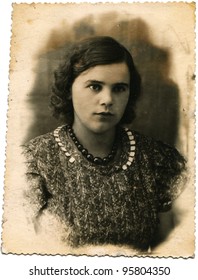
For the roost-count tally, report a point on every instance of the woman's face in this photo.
(100, 95)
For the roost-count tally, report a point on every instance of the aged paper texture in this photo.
(163, 50)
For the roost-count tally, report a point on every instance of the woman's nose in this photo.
(106, 97)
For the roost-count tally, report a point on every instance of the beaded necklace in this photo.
(90, 157)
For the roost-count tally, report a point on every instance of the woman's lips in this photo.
(104, 114)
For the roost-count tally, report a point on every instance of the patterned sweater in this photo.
(116, 203)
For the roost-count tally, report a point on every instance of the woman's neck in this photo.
(98, 144)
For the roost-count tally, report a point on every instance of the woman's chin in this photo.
(102, 128)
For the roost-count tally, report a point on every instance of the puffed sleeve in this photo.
(35, 194)
(170, 174)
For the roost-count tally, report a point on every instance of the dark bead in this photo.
(84, 152)
(76, 142)
(105, 160)
(98, 160)
(90, 157)
(110, 156)
(80, 147)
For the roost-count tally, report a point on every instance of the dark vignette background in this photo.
(157, 112)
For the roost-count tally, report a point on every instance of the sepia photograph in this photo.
(100, 157)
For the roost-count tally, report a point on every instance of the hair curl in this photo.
(101, 50)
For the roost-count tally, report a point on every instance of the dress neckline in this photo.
(122, 161)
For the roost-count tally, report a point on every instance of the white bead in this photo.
(72, 159)
(132, 148)
(130, 159)
(67, 154)
(124, 167)
(132, 142)
(128, 163)
(131, 154)
(131, 137)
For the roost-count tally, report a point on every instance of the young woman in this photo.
(104, 182)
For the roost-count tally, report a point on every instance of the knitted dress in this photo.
(115, 203)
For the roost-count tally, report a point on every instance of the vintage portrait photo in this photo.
(100, 132)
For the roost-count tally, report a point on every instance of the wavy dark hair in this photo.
(100, 50)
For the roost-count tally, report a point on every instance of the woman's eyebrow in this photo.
(102, 83)
(122, 84)
(94, 82)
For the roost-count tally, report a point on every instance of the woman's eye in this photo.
(119, 88)
(95, 87)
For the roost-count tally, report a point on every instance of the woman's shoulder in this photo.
(153, 144)
(159, 152)
(149, 140)
(42, 142)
